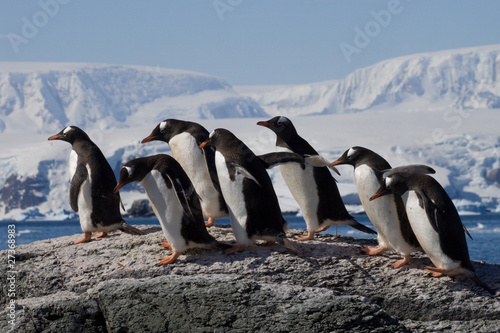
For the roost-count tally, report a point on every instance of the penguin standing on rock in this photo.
(248, 190)
(387, 214)
(174, 200)
(184, 138)
(314, 188)
(91, 192)
(434, 220)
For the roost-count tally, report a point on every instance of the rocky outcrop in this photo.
(141, 208)
(114, 285)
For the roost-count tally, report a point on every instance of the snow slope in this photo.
(46, 97)
(464, 78)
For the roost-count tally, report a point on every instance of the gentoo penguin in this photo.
(184, 138)
(91, 189)
(174, 200)
(314, 188)
(433, 218)
(387, 214)
(253, 206)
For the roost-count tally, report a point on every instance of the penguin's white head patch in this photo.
(388, 182)
(283, 120)
(211, 134)
(130, 170)
(67, 129)
(351, 152)
(163, 125)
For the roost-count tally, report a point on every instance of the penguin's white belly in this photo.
(189, 155)
(426, 235)
(166, 207)
(85, 203)
(302, 185)
(381, 212)
(235, 199)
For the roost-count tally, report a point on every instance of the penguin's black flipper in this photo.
(320, 161)
(79, 177)
(128, 229)
(186, 194)
(234, 168)
(431, 210)
(209, 153)
(419, 169)
(271, 160)
(467, 231)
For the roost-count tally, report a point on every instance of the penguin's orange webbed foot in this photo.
(322, 228)
(169, 259)
(102, 235)
(373, 250)
(435, 272)
(210, 222)
(234, 249)
(166, 245)
(268, 243)
(402, 262)
(86, 238)
(310, 235)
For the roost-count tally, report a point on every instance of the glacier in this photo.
(436, 108)
(463, 79)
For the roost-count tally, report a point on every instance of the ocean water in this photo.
(484, 229)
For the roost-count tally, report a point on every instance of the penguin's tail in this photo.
(356, 225)
(480, 283)
(128, 229)
(282, 240)
(220, 245)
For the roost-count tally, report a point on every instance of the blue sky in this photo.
(247, 42)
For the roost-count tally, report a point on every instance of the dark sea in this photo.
(484, 229)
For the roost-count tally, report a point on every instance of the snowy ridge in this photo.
(464, 79)
(439, 109)
(44, 97)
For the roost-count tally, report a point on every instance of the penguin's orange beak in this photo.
(264, 123)
(337, 162)
(149, 138)
(203, 144)
(380, 193)
(118, 187)
(54, 137)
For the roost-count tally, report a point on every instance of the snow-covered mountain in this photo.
(439, 109)
(465, 79)
(44, 97)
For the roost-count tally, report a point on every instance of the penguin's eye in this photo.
(279, 123)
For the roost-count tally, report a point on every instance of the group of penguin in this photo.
(214, 175)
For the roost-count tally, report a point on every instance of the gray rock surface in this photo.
(114, 285)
